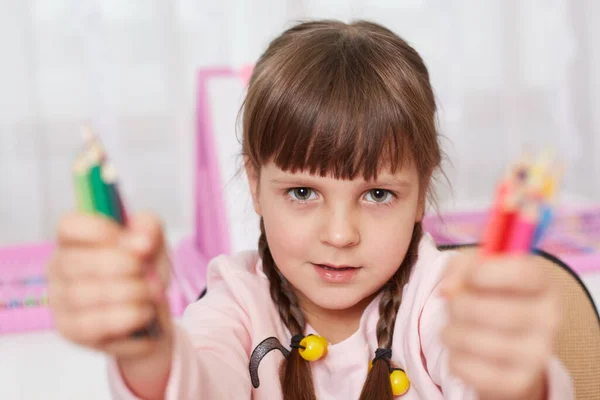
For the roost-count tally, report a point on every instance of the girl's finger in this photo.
(128, 348)
(509, 314)
(480, 343)
(81, 229)
(490, 380)
(74, 264)
(509, 275)
(454, 277)
(473, 371)
(144, 236)
(92, 328)
(90, 294)
(496, 348)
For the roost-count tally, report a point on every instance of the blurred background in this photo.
(508, 75)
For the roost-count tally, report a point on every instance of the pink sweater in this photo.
(221, 330)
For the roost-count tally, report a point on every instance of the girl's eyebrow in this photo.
(290, 181)
(387, 181)
(390, 181)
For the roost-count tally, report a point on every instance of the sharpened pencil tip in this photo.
(87, 133)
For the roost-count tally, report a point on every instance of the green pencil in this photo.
(99, 189)
(109, 177)
(101, 180)
(81, 181)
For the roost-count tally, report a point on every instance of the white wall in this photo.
(507, 73)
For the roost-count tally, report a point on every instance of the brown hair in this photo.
(343, 100)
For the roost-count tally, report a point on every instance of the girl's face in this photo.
(337, 241)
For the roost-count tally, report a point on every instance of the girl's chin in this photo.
(337, 301)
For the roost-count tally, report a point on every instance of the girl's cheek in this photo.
(288, 233)
(387, 240)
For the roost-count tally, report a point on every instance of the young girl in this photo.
(346, 297)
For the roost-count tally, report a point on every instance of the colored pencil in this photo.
(88, 135)
(500, 224)
(82, 185)
(524, 207)
(545, 220)
(109, 177)
(524, 228)
(93, 172)
(99, 190)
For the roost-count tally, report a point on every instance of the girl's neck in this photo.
(334, 325)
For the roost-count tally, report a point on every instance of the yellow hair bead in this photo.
(315, 347)
(324, 344)
(399, 381)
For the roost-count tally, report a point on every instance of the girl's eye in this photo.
(302, 194)
(379, 196)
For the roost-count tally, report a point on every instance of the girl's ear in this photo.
(253, 181)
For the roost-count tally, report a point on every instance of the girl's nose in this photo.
(339, 229)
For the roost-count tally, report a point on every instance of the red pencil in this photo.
(524, 228)
(499, 226)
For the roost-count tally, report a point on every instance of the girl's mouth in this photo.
(335, 273)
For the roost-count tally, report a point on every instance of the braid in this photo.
(392, 292)
(377, 385)
(284, 298)
(295, 375)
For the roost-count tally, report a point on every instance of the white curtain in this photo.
(508, 74)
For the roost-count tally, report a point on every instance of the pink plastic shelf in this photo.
(574, 236)
(23, 288)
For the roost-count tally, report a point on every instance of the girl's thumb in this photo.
(455, 275)
(144, 235)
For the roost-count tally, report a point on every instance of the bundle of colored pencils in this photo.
(95, 181)
(97, 192)
(523, 208)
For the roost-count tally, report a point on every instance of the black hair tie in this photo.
(383, 354)
(263, 348)
(398, 379)
(296, 339)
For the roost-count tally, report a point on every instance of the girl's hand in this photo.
(106, 282)
(503, 321)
